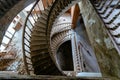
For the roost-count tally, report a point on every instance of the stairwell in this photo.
(42, 62)
(42, 40)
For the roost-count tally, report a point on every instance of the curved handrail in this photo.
(28, 26)
(23, 41)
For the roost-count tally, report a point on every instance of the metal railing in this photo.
(109, 12)
(30, 21)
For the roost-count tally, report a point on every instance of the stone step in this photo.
(44, 17)
(40, 58)
(39, 35)
(42, 63)
(59, 31)
(40, 29)
(48, 9)
(39, 44)
(40, 25)
(42, 21)
(39, 32)
(50, 69)
(45, 12)
(39, 52)
(37, 38)
(39, 47)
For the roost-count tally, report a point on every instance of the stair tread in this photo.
(42, 63)
(38, 47)
(38, 39)
(40, 58)
(42, 21)
(44, 17)
(38, 43)
(40, 35)
(43, 69)
(47, 70)
(45, 13)
(40, 25)
(38, 52)
(40, 29)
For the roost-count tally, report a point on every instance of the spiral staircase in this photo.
(40, 38)
(42, 62)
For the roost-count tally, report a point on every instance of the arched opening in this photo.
(64, 56)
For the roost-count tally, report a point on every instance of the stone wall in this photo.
(104, 49)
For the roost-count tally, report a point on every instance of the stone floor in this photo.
(14, 75)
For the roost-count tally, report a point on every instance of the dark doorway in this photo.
(64, 56)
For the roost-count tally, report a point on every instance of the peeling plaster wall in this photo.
(16, 46)
(107, 55)
(9, 16)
